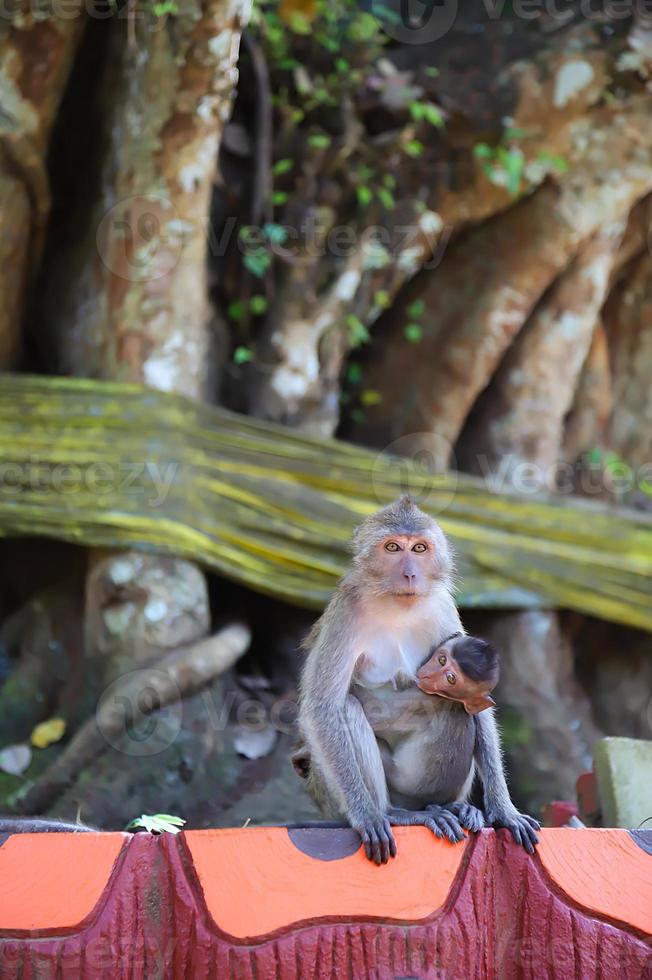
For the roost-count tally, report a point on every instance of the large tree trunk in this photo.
(481, 295)
(132, 303)
(518, 425)
(305, 340)
(521, 417)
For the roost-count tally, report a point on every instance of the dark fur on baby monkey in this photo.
(375, 749)
(463, 669)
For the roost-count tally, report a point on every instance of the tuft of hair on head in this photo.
(477, 658)
(400, 517)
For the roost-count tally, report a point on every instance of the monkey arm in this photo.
(339, 736)
(325, 686)
(499, 810)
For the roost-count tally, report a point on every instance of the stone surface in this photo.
(624, 770)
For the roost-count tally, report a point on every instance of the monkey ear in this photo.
(301, 763)
(479, 703)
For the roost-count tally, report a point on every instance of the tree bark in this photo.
(305, 341)
(521, 417)
(549, 730)
(36, 54)
(629, 328)
(132, 303)
(482, 293)
(587, 420)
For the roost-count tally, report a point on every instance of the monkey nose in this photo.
(410, 576)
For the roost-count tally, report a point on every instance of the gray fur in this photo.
(380, 750)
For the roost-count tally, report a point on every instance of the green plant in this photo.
(157, 823)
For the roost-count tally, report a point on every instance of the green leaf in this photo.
(165, 7)
(276, 234)
(298, 23)
(236, 311)
(363, 28)
(364, 195)
(358, 333)
(320, 141)
(282, 166)
(594, 456)
(353, 372)
(157, 823)
(514, 133)
(257, 262)
(416, 309)
(513, 163)
(558, 163)
(279, 197)
(249, 233)
(433, 115)
(413, 332)
(428, 112)
(483, 151)
(381, 298)
(258, 305)
(386, 198)
(646, 487)
(242, 355)
(413, 148)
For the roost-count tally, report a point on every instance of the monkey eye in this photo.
(420, 547)
(392, 546)
(450, 677)
(442, 659)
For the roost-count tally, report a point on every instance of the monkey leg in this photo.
(439, 819)
(469, 816)
(367, 752)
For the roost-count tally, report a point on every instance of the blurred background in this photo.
(419, 228)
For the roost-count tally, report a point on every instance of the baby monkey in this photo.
(464, 669)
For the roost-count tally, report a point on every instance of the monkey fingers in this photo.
(377, 838)
(522, 827)
(469, 816)
(441, 821)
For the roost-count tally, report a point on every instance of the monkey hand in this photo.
(439, 819)
(469, 816)
(522, 827)
(377, 837)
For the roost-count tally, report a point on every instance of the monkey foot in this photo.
(469, 816)
(522, 827)
(439, 819)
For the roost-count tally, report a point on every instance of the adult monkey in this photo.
(381, 751)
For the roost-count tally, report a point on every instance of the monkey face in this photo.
(401, 551)
(441, 675)
(405, 565)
